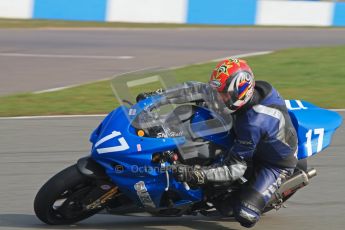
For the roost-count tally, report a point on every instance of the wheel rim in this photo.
(69, 205)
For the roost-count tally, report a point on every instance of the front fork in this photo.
(101, 201)
(104, 189)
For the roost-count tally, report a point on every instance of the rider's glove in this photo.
(144, 95)
(232, 169)
(193, 175)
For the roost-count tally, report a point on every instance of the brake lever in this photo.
(168, 182)
(166, 169)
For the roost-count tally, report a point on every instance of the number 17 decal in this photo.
(123, 143)
(308, 135)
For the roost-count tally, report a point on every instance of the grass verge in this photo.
(42, 23)
(313, 74)
(24, 23)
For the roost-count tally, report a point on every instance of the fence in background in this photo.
(219, 12)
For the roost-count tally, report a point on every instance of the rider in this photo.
(264, 137)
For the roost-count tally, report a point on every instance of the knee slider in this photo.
(246, 217)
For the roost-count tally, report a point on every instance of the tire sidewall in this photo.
(50, 192)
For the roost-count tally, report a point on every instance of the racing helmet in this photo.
(234, 80)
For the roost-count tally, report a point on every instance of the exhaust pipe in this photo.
(296, 182)
(311, 173)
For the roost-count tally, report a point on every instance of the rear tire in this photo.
(67, 188)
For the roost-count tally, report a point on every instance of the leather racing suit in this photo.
(265, 136)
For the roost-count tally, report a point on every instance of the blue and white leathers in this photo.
(266, 130)
(265, 135)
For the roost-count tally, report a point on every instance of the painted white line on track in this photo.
(83, 116)
(52, 116)
(68, 86)
(338, 110)
(63, 56)
(244, 55)
(85, 83)
(54, 89)
(219, 59)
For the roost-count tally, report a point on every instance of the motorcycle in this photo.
(134, 147)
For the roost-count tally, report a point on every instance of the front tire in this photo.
(58, 202)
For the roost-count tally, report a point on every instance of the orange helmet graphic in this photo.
(234, 80)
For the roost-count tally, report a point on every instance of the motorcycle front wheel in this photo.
(59, 201)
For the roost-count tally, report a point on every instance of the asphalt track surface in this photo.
(37, 59)
(33, 150)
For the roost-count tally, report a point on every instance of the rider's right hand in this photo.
(193, 175)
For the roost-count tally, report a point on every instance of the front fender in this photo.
(90, 168)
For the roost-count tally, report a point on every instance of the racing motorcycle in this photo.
(134, 147)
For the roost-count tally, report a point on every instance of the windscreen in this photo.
(191, 109)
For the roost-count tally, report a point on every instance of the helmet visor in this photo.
(227, 99)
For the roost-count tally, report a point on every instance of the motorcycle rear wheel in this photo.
(59, 201)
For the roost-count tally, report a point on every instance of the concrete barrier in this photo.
(150, 11)
(216, 12)
(294, 13)
(21, 9)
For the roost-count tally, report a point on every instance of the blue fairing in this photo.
(315, 126)
(223, 139)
